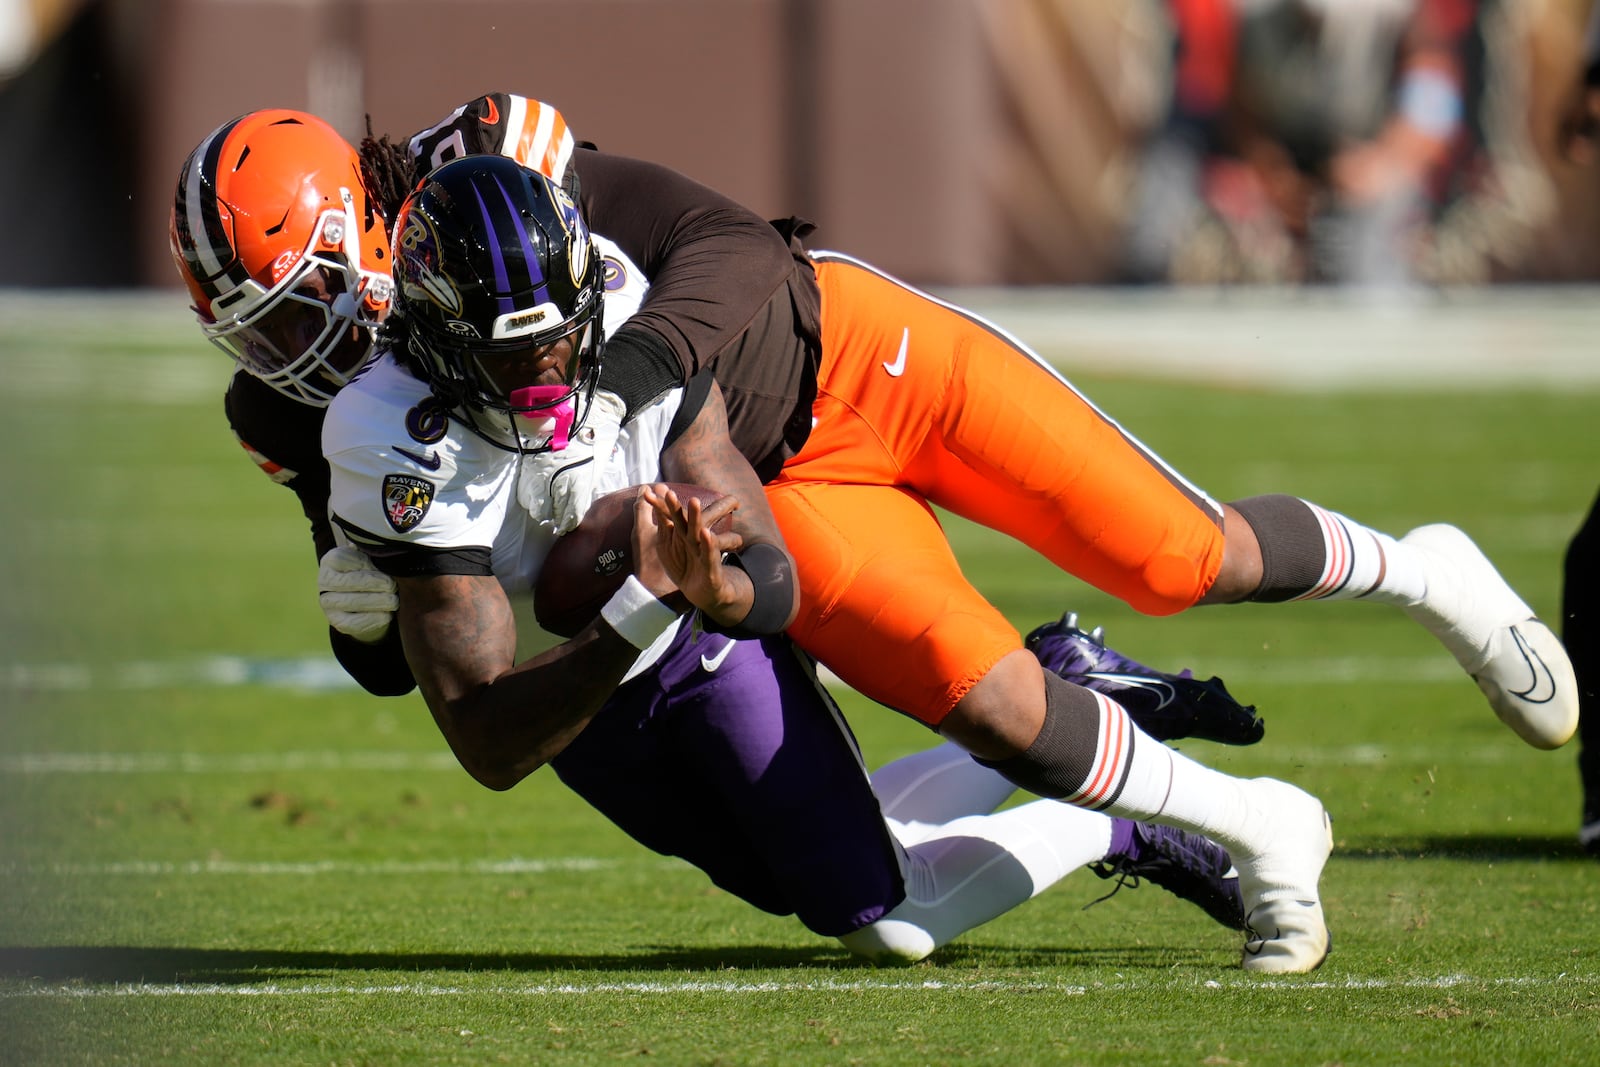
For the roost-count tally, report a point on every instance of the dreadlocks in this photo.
(389, 173)
(387, 170)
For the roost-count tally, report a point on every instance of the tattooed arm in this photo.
(505, 719)
(757, 591)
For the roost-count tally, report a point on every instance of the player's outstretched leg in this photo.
(1166, 706)
(1088, 751)
(962, 873)
(1439, 578)
(922, 795)
(1517, 661)
(971, 869)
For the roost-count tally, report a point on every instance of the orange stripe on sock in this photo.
(1110, 754)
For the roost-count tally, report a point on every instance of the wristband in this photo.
(771, 586)
(635, 613)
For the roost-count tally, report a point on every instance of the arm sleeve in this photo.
(639, 368)
(380, 668)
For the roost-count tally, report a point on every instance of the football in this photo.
(590, 562)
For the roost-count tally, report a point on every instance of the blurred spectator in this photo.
(1309, 140)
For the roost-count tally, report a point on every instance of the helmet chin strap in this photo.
(558, 417)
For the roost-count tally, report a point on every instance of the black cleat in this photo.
(1166, 706)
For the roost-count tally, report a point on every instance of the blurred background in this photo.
(951, 142)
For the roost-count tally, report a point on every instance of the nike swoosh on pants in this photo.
(710, 663)
(898, 367)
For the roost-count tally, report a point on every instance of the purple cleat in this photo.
(1166, 706)
(1190, 866)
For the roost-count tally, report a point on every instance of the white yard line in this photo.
(76, 991)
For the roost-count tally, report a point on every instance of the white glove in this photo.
(556, 488)
(357, 598)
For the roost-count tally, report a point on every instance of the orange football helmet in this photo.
(285, 256)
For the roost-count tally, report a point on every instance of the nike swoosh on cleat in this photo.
(431, 461)
(709, 664)
(898, 367)
(1542, 690)
(1165, 691)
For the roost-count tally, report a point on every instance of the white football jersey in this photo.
(403, 473)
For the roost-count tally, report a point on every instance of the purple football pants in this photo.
(732, 756)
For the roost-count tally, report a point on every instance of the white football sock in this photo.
(1137, 777)
(976, 868)
(925, 790)
(1362, 563)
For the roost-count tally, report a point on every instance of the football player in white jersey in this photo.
(295, 301)
(713, 742)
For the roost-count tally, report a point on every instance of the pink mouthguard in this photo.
(560, 416)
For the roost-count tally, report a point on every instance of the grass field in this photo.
(214, 853)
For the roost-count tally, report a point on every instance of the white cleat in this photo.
(1278, 880)
(1517, 661)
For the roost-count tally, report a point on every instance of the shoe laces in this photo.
(1172, 861)
(1122, 870)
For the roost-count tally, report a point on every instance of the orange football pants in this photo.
(917, 403)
